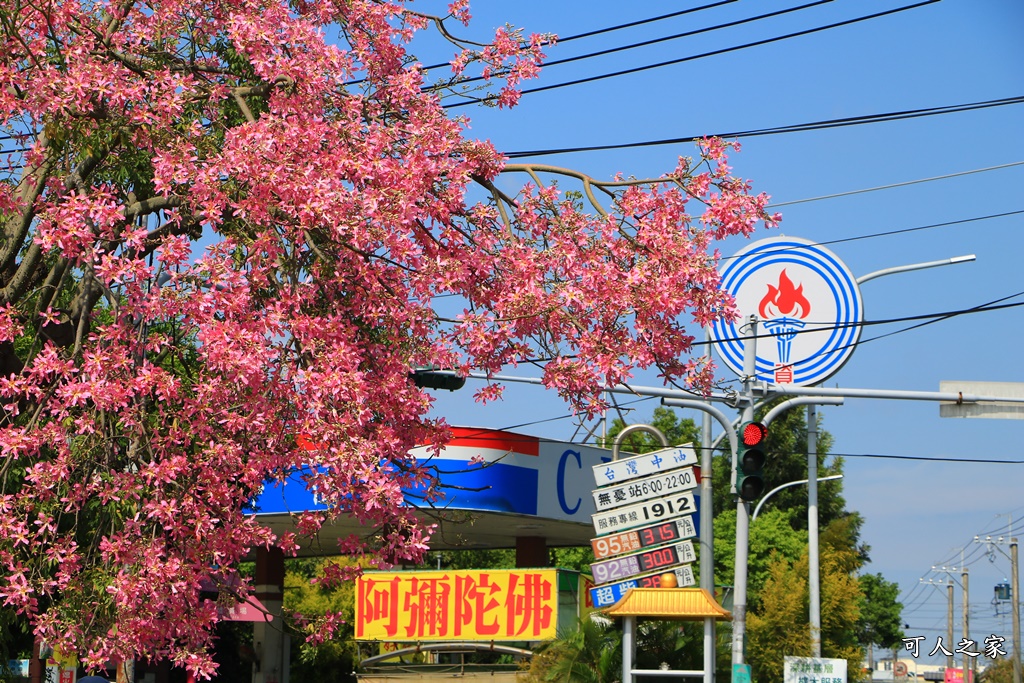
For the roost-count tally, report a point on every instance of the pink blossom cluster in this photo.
(152, 386)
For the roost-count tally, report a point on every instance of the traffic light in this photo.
(429, 378)
(750, 460)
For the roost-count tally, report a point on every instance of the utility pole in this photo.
(963, 577)
(966, 625)
(1015, 577)
(949, 594)
(1014, 600)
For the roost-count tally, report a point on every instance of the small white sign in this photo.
(813, 670)
(654, 486)
(642, 514)
(618, 471)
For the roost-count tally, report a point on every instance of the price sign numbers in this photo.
(651, 560)
(645, 537)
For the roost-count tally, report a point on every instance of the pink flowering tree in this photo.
(223, 232)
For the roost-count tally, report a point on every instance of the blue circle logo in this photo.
(808, 307)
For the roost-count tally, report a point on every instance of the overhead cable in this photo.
(681, 60)
(794, 128)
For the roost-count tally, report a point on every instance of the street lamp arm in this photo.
(915, 266)
(787, 485)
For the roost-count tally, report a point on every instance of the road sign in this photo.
(804, 297)
(655, 559)
(638, 490)
(997, 410)
(618, 471)
(656, 534)
(642, 514)
(605, 596)
(800, 669)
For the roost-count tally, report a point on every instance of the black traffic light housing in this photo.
(750, 459)
(430, 378)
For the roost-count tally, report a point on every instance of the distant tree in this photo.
(578, 559)
(999, 671)
(772, 537)
(881, 614)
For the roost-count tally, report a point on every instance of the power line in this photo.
(662, 39)
(596, 32)
(929, 458)
(640, 22)
(777, 130)
(901, 231)
(894, 185)
(680, 60)
(993, 305)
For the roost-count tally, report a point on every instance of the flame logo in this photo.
(786, 300)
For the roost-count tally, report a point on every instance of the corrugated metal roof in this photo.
(667, 603)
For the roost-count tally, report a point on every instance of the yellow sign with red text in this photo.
(471, 604)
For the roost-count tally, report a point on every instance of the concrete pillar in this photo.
(269, 639)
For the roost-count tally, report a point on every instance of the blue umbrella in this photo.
(93, 679)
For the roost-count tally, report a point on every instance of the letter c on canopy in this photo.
(561, 482)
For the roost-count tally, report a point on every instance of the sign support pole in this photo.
(814, 578)
(739, 607)
(707, 543)
(629, 622)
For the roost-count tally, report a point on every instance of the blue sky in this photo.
(952, 52)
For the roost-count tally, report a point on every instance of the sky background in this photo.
(928, 497)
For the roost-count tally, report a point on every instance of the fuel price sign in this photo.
(603, 596)
(656, 534)
(656, 559)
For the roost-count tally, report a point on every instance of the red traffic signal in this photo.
(750, 460)
(753, 433)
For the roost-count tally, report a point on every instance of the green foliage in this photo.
(772, 537)
(501, 558)
(880, 612)
(1000, 671)
(781, 626)
(335, 660)
(577, 559)
(589, 652)
(678, 644)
